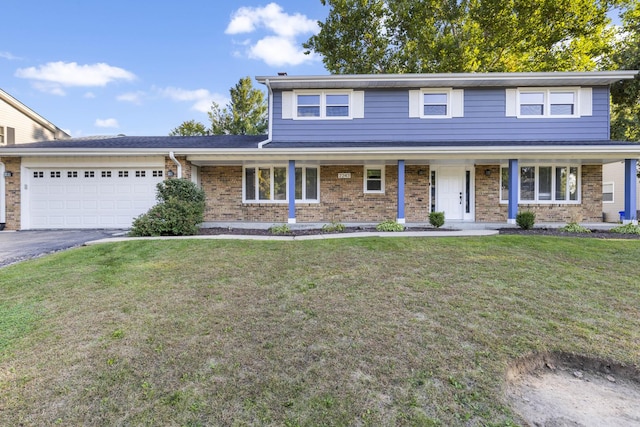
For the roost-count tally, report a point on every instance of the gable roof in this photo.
(13, 102)
(460, 80)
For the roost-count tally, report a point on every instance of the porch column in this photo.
(630, 182)
(291, 187)
(514, 183)
(400, 219)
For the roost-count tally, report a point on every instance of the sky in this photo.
(107, 67)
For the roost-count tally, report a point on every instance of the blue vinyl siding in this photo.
(386, 118)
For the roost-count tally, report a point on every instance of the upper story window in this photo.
(549, 102)
(2, 135)
(323, 105)
(441, 103)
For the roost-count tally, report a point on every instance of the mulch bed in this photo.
(599, 234)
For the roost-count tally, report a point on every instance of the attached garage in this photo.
(96, 194)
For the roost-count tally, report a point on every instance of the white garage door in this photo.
(90, 197)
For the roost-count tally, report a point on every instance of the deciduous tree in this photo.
(189, 128)
(246, 113)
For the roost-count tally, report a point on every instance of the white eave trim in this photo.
(631, 150)
(458, 80)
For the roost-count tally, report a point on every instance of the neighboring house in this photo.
(19, 125)
(613, 192)
(352, 148)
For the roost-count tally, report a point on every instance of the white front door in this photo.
(454, 192)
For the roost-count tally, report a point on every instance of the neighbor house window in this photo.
(2, 139)
(607, 192)
(323, 105)
(374, 179)
(543, 184)
(306, 184)
(547, 103)
(265, 184)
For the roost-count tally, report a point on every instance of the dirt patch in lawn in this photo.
(554, 390)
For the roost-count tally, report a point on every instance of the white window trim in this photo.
(271, 168)
(382, 174)
(613, 191)
(553, 167)
(323, 104)
(546, 91)
(304, 184)
(447, 91)
(3, 135)
(455, 103)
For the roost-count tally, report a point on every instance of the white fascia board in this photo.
(596, 78)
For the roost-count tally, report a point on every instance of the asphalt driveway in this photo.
(18, 246)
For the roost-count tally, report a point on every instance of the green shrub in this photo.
(574, 227)
(389, 225)
(179, 210)
(280, 229)
(526, 220)
(436, 219)
(626, 229)
(333, 227)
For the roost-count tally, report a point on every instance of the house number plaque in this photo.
(344, 175)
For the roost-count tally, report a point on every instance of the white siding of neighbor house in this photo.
(614, 172)
(26, 128)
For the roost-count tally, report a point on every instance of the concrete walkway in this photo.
(443, 233)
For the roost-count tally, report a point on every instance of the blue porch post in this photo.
(513, 191)
(400, 218)
(630, 182)
(291, 187)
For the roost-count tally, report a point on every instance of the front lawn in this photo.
(377, 331)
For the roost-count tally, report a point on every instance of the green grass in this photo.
(401, 331)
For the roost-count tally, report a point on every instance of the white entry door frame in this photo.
(454, 192)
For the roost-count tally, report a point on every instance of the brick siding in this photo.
(12, 192)
(489, 209)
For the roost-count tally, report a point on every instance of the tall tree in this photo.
(246, 113)
(429, 36)
(625, 96)
(189, 128)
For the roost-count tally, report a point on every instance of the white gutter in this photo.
(270, 114)
(172, 157)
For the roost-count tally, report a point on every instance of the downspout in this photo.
(172, 157)
(270, 115)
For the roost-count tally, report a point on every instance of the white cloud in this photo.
(132, 97)
(53, 76)
(279, 48)
(271, 17)
(106, 123)
(9, 56)
(89, 95)
(201, 98)
(279, 51)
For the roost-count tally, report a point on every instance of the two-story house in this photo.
(354, 148)
(19, 125)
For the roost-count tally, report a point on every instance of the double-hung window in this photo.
(544, 184)
(436, 103)
(323, 105)
(374, 179)
(607, 192)
(269, 184)
(548, 103)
